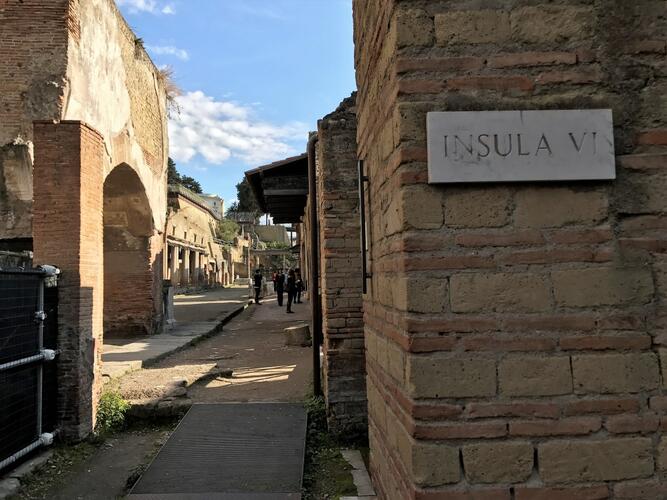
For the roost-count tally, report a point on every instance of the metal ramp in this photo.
(230, 451)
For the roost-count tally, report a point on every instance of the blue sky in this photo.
(256, 75)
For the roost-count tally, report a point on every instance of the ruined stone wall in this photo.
(79, 61)
(514, 332)
(33, 60)
(344, 371)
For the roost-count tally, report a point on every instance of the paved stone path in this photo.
(196, 315)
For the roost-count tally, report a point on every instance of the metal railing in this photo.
(28, 348)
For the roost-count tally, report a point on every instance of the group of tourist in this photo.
(290, 283)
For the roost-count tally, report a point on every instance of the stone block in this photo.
(476, 207)
(602, 286)
(556, 206)
(552, 23)
(424, 295)
(498, 462)
(615, 373)
(298, 335)
(414, 27)
(500, 292)
(661, 457)
(422, 207)
(607, 460)
(472, 27)
(442, 376)
(535, 376)
(424, 456)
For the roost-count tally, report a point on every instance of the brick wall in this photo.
(514, 332)
(69, 166)
(338, 208)
(33, 58)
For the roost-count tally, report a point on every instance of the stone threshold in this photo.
(360, 476)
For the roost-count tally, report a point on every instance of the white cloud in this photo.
(168, 50)
(152, 6)
(220, 130)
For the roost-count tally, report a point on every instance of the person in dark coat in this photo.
(291, 290)
(257, 284)
(280, 286)
(299, 287)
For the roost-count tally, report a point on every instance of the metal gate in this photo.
(28, 382)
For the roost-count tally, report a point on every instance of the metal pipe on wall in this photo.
(315, 297)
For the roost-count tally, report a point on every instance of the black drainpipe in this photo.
(315, 298)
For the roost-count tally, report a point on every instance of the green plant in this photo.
(111, 412)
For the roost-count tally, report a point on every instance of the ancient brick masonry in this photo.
(515, 333)
(344, 360)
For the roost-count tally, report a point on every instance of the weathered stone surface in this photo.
(602, 286)
(607, 460)
(615, 373)
(500, 292)
(297, 335)
(435, 376)
(535, 376)
(424, 456)
(422, 208)
(552, 23)
(472, 26)
(476, 207)
(498, 462)
(554, 207)
(414, 27)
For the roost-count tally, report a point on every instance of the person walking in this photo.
(257, 283)
(291, 290)
(299, 287)
(274, 278)
(280, 286)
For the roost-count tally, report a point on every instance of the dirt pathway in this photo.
(264, 369)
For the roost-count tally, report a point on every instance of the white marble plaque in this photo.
(506, 146)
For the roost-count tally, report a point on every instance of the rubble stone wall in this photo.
(515, 333)
(344, 380)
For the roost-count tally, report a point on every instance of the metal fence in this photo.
(28, 347)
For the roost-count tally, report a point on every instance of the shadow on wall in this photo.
(132, 275)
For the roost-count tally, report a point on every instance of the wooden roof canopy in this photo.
(281, 188)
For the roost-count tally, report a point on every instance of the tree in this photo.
(247, 201)
(232, 209)
(191, 183)
(175, 178)
(227, 230)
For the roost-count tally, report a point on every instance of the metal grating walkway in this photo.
(230, 451)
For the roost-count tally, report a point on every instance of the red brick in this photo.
(602, 342)
(506, 344)
(585, 493)
(504, 239)
(531, 59)
(432, 344)
(435, 411)
(573, 426)
(445, 64)
(627, 424)
(657, 137)
(581, 76)
(420, 86)
(547, 256)
(581, 236)
(447, 262)
(492, 83)
(472, 494)
(646, 47)
(585, 56)
(603, 406)
(461, 431)
(549, 323)
(514, 409)
(643, 161)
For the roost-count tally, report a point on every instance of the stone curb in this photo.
(10, 483)
(215, 330)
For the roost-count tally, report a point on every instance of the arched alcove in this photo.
(128, 270)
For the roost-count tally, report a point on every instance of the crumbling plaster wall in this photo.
(76, 60)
